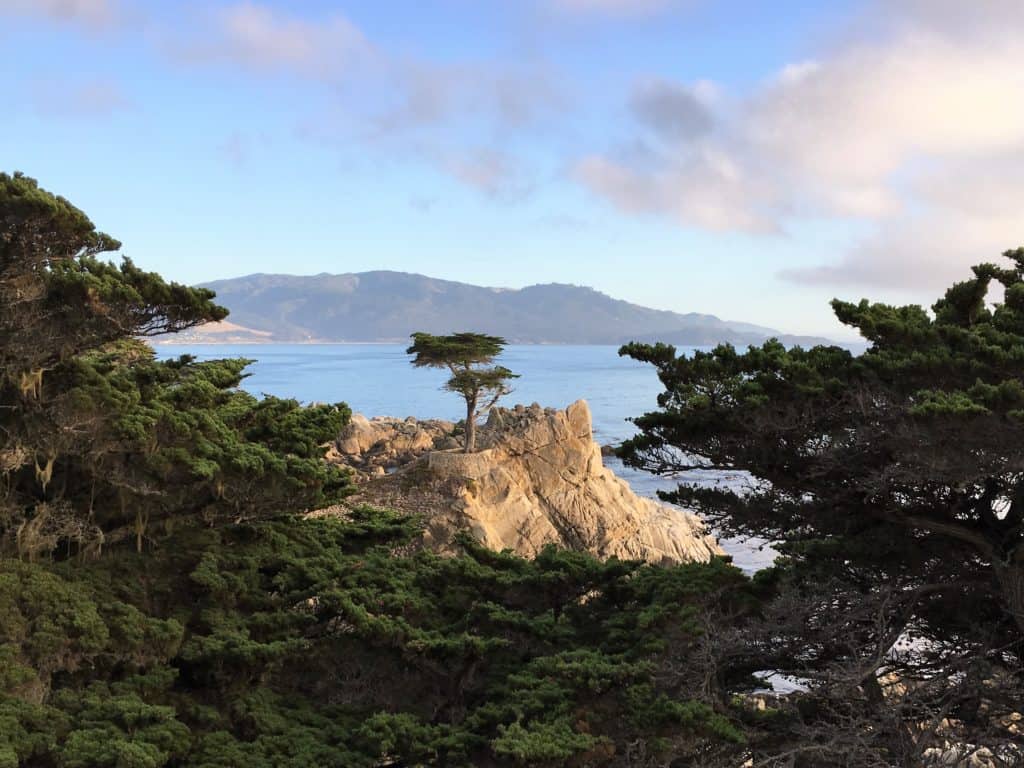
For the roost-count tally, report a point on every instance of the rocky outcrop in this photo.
(538, 479)
(374, 446)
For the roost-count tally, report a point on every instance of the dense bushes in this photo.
(311, 642)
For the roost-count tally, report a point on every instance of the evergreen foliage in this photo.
(301, 643)
(894, 482)
(99, 442)
(166, 601)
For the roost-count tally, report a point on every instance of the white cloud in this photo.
(412, 106)
(965, 213)
(796, 71)
(425, 93)
(494, 173)
(85, 99)
(870, 131)
(847, 127)
(612, 7)
(259, 38)
(94, 13)
(705, 188)
(397, 91)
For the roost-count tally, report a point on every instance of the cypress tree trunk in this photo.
(1010, 576)
(470, 424)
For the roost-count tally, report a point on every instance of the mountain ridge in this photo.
(386, 306)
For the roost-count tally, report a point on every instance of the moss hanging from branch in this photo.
(44, 474)
(30, 384)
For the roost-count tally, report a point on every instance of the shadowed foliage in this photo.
(311, 643)
(894, 482)
(165, 600)
(99, 442)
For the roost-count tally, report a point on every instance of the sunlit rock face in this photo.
(537, 479)
(374, 446)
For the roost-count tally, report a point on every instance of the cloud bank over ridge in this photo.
(912, 124)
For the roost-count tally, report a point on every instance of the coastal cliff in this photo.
(538, 479)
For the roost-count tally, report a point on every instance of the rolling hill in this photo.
(385, 306)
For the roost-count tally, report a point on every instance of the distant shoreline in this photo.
(316, 343)
(852, 346)
(249, 342)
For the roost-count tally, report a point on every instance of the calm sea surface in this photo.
(377, 380)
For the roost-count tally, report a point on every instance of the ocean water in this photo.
(377, 380)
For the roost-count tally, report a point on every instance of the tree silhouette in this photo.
(469, 357)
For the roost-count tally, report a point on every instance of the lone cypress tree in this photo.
(469, 357)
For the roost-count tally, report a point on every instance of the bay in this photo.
(377, 380)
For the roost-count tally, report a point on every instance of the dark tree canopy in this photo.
(455, 350)
(58, 300)
(98, 441)
(311, 643)
(899, 469)
(469, 357)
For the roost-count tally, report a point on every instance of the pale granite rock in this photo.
(538, 479)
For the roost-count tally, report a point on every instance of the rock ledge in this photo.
(538, 479)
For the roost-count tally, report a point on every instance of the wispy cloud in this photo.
(674, 111)
(614, 7)
(423, 203)
(235, 149)
(964, 213)
(94, 13)
(494, 173)
(79, 99)
(908, 123)
(871, 130)
(412, 105)
(421, 93)
(265, 40)
(704, 188)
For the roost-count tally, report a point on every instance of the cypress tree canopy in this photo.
(468, 356)
(98, 441)
(58, 300)
(457, 350)
(165, 601)
(893, 482)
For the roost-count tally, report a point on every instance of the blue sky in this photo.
(746, 159)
